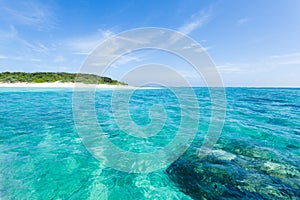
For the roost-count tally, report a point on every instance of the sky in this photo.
(251, 42)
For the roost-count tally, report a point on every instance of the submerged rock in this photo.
(243, 148)
(281, 170)
(291, 146)
(220, 154)
(221, 174)
(266, 188)
(207, 180)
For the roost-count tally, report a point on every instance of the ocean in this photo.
(256, 156)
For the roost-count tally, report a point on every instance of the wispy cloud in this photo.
(229, 68)
(276, 70)
(285, 59)
(271, 62)
(37, 47)
(59, 59)
(3, 57)
(126, 59)
(84, 45)
(27, 13)
(196, 21)
(6, 35)
(19, 58)
(243, 21)
(12, 36)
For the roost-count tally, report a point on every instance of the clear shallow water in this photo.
(256, 157)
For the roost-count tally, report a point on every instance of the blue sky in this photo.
(252, 43)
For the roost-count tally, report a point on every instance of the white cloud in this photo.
(196, 21)
(274, 71)
(285, 59)
(230, 68)
(59, 58)
(3, 57)
(270, 63)
(38, 47)
(243, 21)
(27, 13)
(35, 60)
(84, 45)
(10, 34)
(19, 58)
(125, 59)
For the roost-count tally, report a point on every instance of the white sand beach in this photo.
(63, 85)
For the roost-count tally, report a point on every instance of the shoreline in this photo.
(107, 86)
(63, 85)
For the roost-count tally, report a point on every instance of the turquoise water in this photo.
(256, 157)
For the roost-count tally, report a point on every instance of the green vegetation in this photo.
(48, 77)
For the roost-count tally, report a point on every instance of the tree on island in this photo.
(50, 77)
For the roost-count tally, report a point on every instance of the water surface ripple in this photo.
(256, 157)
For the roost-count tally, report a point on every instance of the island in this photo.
(56, 79)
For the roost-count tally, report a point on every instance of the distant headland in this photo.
(51, 77)
(56, 80)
